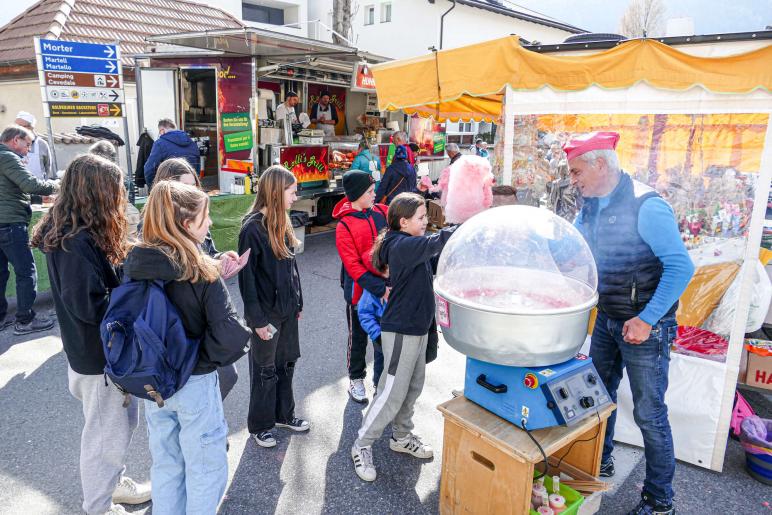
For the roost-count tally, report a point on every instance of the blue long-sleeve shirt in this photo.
(370, 310)
(658, 228)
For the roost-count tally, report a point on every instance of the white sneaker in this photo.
(116, 509)
(363, 462)
(412, 445)
(356, 389)
(129, 491)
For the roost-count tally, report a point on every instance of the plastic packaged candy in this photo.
(693, 341)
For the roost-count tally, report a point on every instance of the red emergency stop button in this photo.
(531, 381)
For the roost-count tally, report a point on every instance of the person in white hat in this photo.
(38, 158)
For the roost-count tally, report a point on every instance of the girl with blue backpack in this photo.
(84, 239)
(187, 434)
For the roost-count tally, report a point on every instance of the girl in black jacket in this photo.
(405, 326)
(187, 435)
(270, 288)
(84, 239)
(178, 169)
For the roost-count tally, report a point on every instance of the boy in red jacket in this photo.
(359, 222)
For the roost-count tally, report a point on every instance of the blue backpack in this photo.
(147, 351)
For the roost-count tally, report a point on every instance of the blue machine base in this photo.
(537, 397)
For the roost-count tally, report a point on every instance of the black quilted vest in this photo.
(628, 271)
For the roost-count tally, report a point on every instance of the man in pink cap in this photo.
(643, 268)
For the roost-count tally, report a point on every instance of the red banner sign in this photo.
(309, 164)
(362, 79)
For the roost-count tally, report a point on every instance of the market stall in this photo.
(224, 88)
(694, 124)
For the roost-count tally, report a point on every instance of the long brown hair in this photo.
(404, 205)
(92, 198)
(270, 196)
(170, 205)
(173, 169)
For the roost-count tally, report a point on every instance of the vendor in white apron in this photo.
(285, 114)
(324, 114)
(38, 159)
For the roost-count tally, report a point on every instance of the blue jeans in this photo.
(14, 249)
(187, 443)
(647, 370)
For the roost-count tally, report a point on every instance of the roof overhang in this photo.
(254, 42)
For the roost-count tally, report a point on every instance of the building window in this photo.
(386, 12)
(262, 14)
(369, 14)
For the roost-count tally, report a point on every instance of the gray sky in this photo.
(710, 16)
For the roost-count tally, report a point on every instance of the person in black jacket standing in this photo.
(400, 177)
(405, 326)
(83, 264)
(187, 435)
(273, 301)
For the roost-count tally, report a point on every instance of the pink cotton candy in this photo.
(469, 189)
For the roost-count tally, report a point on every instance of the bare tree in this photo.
(341, 21)
(643, 18)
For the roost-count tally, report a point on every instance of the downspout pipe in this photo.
(442, 20)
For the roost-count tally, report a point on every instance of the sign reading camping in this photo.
(80, 79)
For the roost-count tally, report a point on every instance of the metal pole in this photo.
(55, 163)
(132, 192)
(132, 188)
(255, 116)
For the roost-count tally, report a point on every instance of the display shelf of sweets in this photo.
(342, 155)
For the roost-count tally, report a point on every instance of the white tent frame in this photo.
(642, 98)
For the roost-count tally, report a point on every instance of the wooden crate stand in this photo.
(488, 463)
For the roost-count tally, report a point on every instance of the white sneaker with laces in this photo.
(116, 509)
(129, 491)
(412, 445)
(356, 389)
(363, 462)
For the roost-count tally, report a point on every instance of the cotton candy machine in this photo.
(515, 287)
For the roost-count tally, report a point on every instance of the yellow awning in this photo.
(469, 82)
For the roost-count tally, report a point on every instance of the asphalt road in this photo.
(305, 473)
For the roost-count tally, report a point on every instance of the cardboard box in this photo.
(759, 371)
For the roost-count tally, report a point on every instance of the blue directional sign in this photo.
(75, 49)
(56, 63)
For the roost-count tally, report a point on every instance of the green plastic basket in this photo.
(573, 498)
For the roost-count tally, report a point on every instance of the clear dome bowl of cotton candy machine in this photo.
(515, 286)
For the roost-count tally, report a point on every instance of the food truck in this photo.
(223, 88)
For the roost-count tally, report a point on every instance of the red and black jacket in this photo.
(354, 238)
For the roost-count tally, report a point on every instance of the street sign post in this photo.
(82, 80)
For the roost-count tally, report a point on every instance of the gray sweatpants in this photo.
(404, 360)
(105, 439)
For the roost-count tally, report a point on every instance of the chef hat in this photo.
(27, 117)
(584, 143)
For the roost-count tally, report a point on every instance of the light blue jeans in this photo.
(187, 443)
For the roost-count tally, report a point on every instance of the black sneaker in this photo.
(264, 439)
(649, 506)
(6, 323)
(296, 424)
(607, 468)
(35, 325)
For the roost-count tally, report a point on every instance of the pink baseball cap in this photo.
(584, 143)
